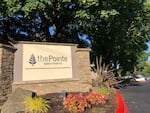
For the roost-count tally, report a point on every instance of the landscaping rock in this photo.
(14, 102)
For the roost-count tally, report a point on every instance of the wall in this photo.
(6, 70)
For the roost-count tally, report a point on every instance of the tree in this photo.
(32, 19)
(121, 39)
(118, 29)
(143, 66)
(32, 60)
(145, 71)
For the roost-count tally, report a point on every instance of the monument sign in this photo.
(44, 62)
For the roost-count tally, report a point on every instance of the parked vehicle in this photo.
(139, 78)
(147, 78)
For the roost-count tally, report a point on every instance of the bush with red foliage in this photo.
(78, 103)
(96, 98)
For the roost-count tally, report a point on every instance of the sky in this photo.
(148, 50)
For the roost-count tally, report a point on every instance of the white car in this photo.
(147, 78)
(139, 78)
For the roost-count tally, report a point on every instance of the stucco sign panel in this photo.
(43, 62)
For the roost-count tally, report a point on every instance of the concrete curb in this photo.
(122, 107)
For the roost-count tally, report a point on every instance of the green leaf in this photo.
(107, 13)
(66, 0)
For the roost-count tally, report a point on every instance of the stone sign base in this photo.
(54, 86)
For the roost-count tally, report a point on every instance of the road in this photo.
(137, 97)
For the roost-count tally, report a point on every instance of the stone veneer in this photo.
(78, 84)
(6, 70)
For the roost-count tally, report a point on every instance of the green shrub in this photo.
(104, 91)
(35, 105)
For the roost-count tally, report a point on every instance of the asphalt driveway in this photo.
(137, 97)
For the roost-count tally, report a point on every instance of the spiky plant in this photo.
(35, 105)
(103, 75)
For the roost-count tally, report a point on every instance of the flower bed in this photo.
(56, 102)
(114, 104)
